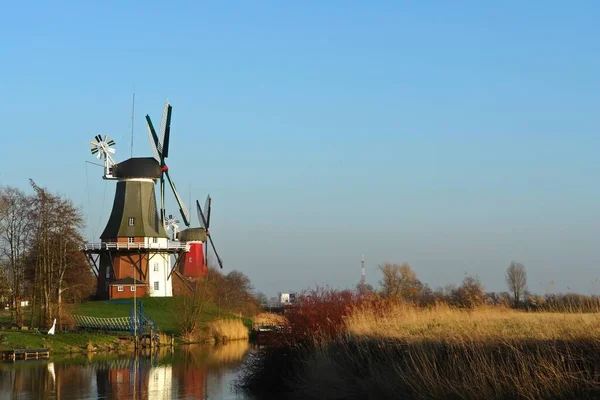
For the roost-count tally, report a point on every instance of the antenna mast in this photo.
(132, 119)
(363, 273)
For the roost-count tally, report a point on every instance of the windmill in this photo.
(160, 149)
(134, 255)
(102, 149)
(204, 218)
(171, 224)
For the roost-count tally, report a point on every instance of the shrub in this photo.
(319, 314)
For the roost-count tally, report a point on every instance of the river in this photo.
(186, 372)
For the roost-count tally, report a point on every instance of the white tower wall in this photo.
(159, 267)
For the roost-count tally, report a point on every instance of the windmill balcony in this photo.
(171, 246)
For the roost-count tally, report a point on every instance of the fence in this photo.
(107, 324)
(138, 322)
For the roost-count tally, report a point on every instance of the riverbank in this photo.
(217, 331)
(387, 350)
(165, 311)
(215, 325)
(63, 343)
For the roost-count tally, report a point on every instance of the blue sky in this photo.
(455, 137)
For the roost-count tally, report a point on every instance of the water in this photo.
(186, 372)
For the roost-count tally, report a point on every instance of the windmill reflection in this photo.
(198, 372)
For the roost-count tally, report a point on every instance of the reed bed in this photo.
(269, 319)
(486, 324)
(384, 349)
(227, 329)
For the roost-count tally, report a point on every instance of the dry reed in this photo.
(486, 324)
(394, 350)
(269, 319)
(227, 329)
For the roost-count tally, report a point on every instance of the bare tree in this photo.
(400, 281)
(516, 278)
(14, 238)
(54, 250)
(189, 311)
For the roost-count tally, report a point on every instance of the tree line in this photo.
(40, 258)
(400, 281)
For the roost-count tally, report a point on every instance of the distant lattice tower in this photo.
(363, 273)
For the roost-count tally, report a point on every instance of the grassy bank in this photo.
(61, 343)
(392, 350)
(163, 310)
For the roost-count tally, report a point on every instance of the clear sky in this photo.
(455, 136)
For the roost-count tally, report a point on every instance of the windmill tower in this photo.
(134, 256)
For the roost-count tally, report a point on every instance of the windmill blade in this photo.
(165, 131)
(153, 139)
(207, 208)
(182, 208)
(111, 150)
(201, 216)
(215, 250)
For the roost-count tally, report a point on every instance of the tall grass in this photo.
(375, 348)
(484, 324)
(227, 329)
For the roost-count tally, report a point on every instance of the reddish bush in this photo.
(319, 314)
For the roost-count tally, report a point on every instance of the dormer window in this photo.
(131, 221)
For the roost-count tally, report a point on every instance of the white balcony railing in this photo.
(136, 246)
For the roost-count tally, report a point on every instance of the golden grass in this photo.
(227, 329)
(269, 319)
(486, 324)
(395, 350)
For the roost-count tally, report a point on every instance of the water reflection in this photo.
(188, 372)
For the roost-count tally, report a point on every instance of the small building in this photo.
(284, 298)
(126, 288)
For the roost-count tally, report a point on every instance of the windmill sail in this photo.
(207, 210)
(153, 139)
(185, 214)
(164, 133)
(204, 223)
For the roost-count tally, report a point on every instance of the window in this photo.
(155, 267)
(130, 240)
(132, 288)
(120, 288)
(155, 285)
(190, 259)
(154, 240)
(131, 221)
